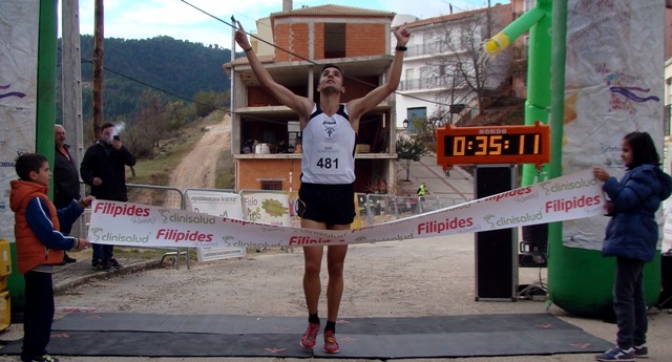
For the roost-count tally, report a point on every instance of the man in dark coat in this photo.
(104, 169)
(66, 179)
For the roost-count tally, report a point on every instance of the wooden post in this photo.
(98, 37)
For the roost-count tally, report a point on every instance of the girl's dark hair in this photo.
(643, 150)
(28, 162)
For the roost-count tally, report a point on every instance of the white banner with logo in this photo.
(267, 208)
(19, 26)
(574, 196)
(217, 204)
(613, 86)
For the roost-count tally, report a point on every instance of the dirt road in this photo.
(197, 169)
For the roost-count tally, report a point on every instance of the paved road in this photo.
(459, 185)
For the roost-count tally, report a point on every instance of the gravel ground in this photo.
(427, 277)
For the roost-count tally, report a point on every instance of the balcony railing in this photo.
(425, 83)
(417, 50)
(430, 48)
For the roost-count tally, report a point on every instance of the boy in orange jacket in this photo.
(39, 247)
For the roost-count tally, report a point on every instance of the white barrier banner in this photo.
(569, 197)
(667, 226)
(215, 203)
(267, 208)
(218, 204)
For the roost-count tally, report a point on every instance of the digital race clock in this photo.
(493, 145)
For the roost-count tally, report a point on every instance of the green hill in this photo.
(177, 67)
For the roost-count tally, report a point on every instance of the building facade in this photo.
(443, 66)
(265, 135)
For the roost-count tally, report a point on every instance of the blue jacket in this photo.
(633, 231)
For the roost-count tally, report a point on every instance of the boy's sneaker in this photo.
(99, 265)
(617, 354)
(330, 345)
(113, 264)
(641, 351)
(308, 338)
(45, 358)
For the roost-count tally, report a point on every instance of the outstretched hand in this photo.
(601, 174)
(402, 34)
(241, 37)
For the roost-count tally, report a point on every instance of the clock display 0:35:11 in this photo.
(494, 144)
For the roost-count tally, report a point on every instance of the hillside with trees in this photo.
(174, 80)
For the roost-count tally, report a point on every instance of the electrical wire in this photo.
(303, 58)
(158, 88)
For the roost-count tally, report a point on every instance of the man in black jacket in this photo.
(66, 179)
(104, 169)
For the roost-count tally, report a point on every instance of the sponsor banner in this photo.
(19, 26)
(217, 204)
(605, 96)
(569, 197)
(294, 209)
(267, 208)
(667, 207)
(667, 226)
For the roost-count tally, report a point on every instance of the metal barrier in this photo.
(383, 207)
(428, 203)
(169, 197)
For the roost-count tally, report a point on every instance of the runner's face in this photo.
(332, 79)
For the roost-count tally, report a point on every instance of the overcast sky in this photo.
(141, 19)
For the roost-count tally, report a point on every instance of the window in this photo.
(294, 133)
(271, 185)
(409, 83)
(334, 40)
(417, 117)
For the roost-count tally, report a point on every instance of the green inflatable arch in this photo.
(580, 281)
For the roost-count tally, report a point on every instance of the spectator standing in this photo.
(422, 190)
(39, 246)
(104, 169)
(66, 180)
(632, 237)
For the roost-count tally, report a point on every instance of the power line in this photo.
(303, 58)
(156, 87)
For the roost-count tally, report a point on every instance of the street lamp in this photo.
(405, 124)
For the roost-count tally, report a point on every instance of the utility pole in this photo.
(98, 37)
(71, 86)
(489, 16)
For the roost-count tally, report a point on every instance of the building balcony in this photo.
(418, 50)
(425, 83)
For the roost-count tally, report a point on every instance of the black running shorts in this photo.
(330, 204)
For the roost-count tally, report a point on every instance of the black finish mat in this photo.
(102, 334)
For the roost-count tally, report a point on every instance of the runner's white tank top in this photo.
(328, 148)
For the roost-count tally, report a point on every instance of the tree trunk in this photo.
(408, 169)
